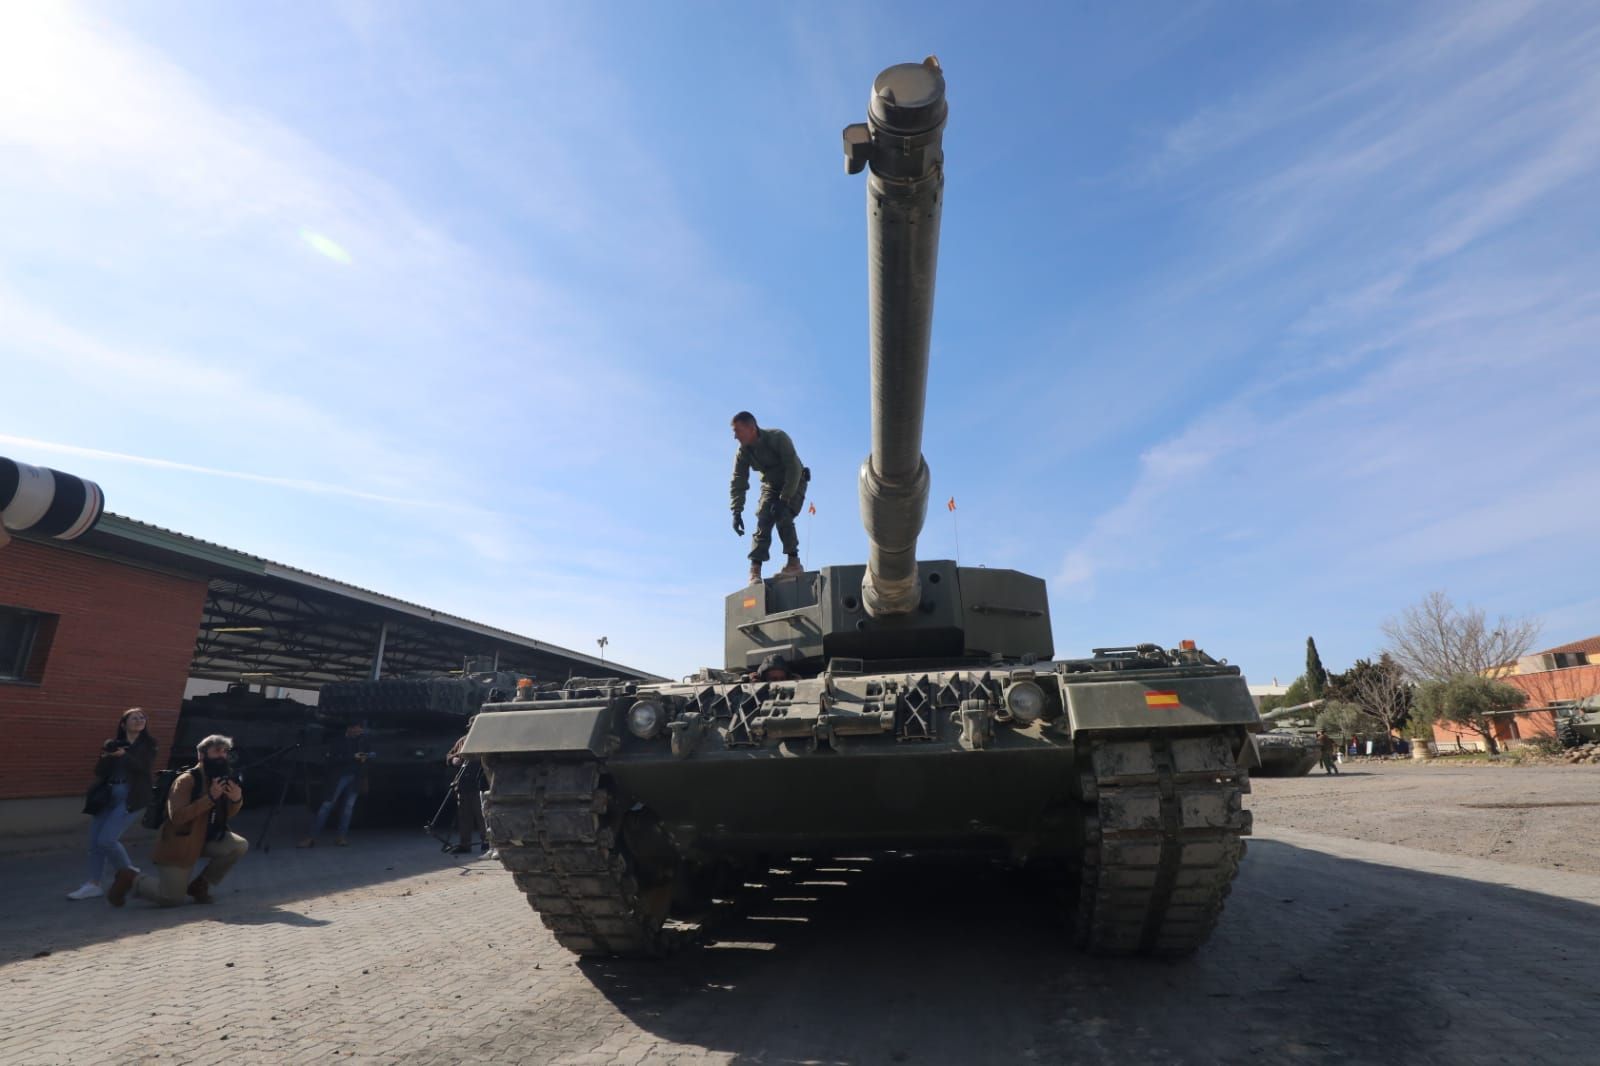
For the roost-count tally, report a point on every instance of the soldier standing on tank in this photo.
(783, 490)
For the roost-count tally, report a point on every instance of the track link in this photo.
(1163, 835)
(556, 829)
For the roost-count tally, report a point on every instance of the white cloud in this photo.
(392, 358)
(1396, 216)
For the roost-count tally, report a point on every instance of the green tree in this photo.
(1469, 700)
(1341, 719)
(1316, 677)
(1379, 690)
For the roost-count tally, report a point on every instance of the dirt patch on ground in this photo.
(1538, 815)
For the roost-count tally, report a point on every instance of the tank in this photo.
(1286, 749)
(920, 707)
(1579, 724)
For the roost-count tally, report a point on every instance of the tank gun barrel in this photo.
(1284, 712)
(901, 148)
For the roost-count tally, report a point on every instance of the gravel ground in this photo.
(1542, 816)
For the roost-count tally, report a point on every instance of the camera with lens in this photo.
(117, 745)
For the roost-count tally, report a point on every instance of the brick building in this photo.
(1554, 679)
(130, 614)
(83, 638)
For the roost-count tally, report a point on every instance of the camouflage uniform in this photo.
(783, 479)
(1328, 745)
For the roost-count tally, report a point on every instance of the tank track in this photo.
(556, 829)
(1163, 835)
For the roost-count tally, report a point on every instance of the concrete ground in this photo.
(1540, 816)
(1332, 950)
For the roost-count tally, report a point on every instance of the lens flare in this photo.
(325, 246)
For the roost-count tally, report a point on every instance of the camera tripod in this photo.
(452, 795)
(297, 769)
(432, 827)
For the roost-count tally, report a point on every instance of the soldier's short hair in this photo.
(215, 740)
(743, 418)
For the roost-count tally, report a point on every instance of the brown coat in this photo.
(183, 835)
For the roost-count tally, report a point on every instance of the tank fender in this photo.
(543, 731)
(1250, 754)
(1168, 703)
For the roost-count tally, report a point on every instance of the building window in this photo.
(24, 643)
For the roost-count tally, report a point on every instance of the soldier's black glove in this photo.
(738, 524)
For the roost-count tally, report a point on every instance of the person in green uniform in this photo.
(783, 490)
(1328, 746)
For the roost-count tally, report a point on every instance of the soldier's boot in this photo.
(755, 573)
(200, 890)
(117, 895)
(792, 567)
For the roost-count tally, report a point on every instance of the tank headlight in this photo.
(1025, 701)
(644, 719)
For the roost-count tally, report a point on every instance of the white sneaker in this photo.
(87, 890)
(492, 853)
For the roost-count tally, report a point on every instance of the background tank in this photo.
(1579, 724)
(1288, 749)
(925, 711)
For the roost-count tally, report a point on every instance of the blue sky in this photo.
(1254, 321)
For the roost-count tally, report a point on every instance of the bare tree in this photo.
(1378, 690)
(1436, 641)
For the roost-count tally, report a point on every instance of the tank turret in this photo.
(893, 608)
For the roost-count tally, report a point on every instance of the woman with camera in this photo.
(126, 767)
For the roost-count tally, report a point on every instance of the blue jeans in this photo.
(105, 835)
(344, 792)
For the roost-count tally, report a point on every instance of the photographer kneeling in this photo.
(202, 800)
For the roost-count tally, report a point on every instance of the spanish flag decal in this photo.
(1161, 699)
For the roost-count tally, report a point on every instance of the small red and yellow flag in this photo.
(1160, 699)
(952, 504)
(812, 509)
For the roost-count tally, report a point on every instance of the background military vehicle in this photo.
(1288, 749)
(1579, 723)
(924, 710)
(281, 744)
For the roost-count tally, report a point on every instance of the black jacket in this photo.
(138, 769)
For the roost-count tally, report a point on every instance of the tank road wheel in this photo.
(1163, 835)
(565, 840)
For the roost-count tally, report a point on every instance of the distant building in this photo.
(1554, 679)
(1261, 692)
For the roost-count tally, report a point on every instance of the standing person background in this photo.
(469, 800)
(1328, 746)
(783, 490)
(127, 765)
(347, 766)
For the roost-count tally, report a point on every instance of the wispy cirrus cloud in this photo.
(1407, 220)
(35, 446)
(230, 296)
